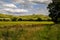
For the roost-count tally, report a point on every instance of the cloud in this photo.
(23, 6)
(18, 1)
(9, 5)
(32, 1)
(22, 1)
(40, 0)
(15, 10)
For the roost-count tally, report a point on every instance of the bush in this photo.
(49, 20)
(20, 19)
(1, 20)
(38, 19)
(30, 20)
(24, 19)
(14, 19)
(6, 20)
(58, 20)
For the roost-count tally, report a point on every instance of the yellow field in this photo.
(10, 31)
(26, 22)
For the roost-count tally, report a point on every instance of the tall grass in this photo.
(30, 32)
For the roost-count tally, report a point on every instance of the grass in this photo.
(23, 32)
(28, 30)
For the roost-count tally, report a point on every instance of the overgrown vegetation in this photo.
(30, 32)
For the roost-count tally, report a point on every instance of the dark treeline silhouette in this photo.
(38, 19)
(20, 19)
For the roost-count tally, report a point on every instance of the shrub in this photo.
(49, 20)
(14, 19)
(30, 20)
(24, 19)
(58, 20)
(6, 20)
(38, 19)
(1, 20)
(20, 19)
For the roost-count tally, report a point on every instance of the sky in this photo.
(24, 7)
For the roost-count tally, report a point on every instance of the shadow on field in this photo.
(30, 32)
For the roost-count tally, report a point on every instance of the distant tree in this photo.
(6, 19)
(14, 19)
(1, 20)
(38, 19)
(54, 9)
(30, 20)
(19, 19)
(24, 20)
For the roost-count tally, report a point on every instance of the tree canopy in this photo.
(54, 9)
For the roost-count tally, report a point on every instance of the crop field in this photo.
(29, 30)
(25, 22)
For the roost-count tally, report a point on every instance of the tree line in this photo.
(21, 19)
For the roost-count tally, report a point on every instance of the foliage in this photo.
(1, 20)
(6, 19)
(54, 9)
(39, 19)
(14, 19)
(19, 19)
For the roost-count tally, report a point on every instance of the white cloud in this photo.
(9, 5)
(18, 1)
(24, 1)
(39, 0)
(15, 10)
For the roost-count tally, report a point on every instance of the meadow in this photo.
(28, 30)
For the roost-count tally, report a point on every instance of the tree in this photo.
(54, 9)
(39, 19)
(20, 19)
(30, 20)
(14, 19)
(1, 20)
(6, 19)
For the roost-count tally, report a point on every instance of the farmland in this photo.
(25, 22)
(29, 30)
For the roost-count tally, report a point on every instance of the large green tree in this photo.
(54, 9)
